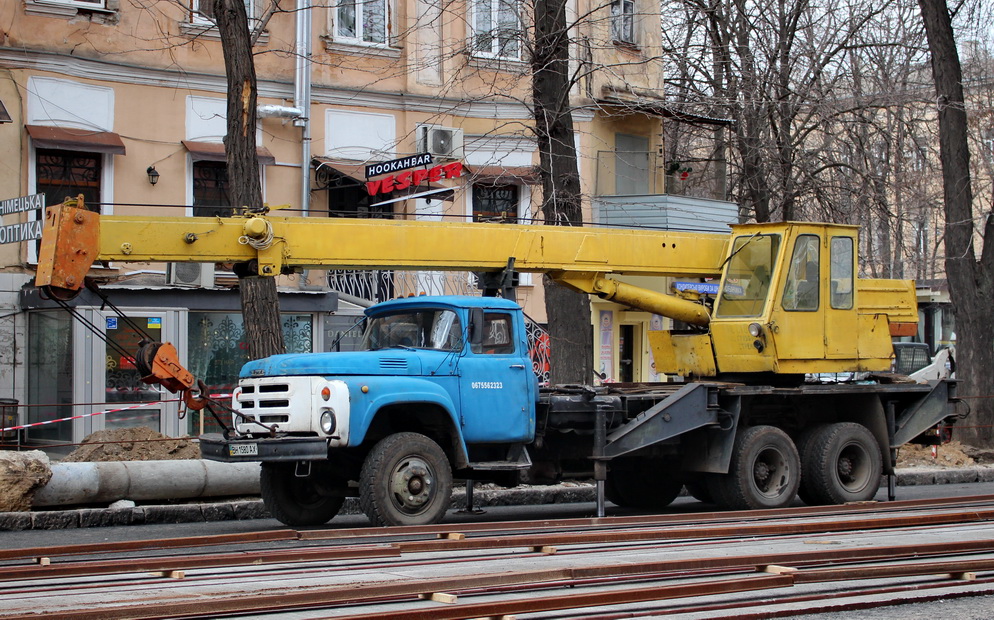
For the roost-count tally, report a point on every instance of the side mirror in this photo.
(476, 328)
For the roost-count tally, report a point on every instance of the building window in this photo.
(623, 21)
(497, 29)
(496, 203)
(362, 21)
(631, 165)
(60, 174)
(203, 10)
(211, 196)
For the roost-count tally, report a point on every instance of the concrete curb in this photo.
(241, 509)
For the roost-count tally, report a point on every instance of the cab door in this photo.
(799, 333)
(841, 322)
(496, 384)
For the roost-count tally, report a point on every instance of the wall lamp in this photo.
(153, 175)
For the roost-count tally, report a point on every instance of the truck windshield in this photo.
(415, 329)
(747, 278)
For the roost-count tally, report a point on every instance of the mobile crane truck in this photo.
(443, 386)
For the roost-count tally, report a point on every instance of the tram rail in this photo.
(617, 565)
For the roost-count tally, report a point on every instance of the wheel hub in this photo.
(845, 468)
(762, 472)
(412, 483)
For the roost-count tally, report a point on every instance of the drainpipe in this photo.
(302, 99)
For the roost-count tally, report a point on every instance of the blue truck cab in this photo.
(441, 384)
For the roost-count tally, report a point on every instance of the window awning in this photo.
(46, 137)
(525, 175)
(349, 170)
(214, 151)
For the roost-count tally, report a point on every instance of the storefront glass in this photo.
(217, 351)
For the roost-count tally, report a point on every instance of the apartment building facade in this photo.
(124, 103)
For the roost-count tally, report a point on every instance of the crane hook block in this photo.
(159, 363)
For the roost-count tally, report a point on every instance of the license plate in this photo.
(243, 449)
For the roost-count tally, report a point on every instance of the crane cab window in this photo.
(498, 332)
(842, 276)
(747, 280)
(803, 280)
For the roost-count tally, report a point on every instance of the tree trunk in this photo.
(568, 311)
(971, 282)
(260, 303)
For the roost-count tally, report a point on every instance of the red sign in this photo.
(413, 178)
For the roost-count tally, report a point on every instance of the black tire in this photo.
(295, 501)
(842, 463)
(649, 487)
(764, 472)
(803, 443)
(405, 480)
(697, 487)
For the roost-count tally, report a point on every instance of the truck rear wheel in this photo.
(296, 501)
(841, 463)
(405, 480)
(764, 472)
(649, 487)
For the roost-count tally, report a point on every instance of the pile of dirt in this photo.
(21, 474)
(949, 455)
(133, 444)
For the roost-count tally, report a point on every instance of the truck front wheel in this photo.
(293, 500)
(841, 463)
(764, 472)
(405, 480)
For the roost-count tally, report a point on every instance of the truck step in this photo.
(517, 459)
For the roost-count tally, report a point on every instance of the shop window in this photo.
(224, 350)
(49, 376)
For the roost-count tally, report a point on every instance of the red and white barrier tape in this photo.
(151, 403)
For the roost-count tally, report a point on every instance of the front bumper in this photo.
(214, 447)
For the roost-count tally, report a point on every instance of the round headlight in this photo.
(328, 422)
(755, 329)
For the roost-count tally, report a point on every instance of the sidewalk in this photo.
(253, 508)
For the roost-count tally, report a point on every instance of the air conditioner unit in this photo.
(190, 274)
(444, 142)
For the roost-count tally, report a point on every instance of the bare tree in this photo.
(568, 311)
(260, 302)
(971, 281)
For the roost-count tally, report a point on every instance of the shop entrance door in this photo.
(116, 380)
